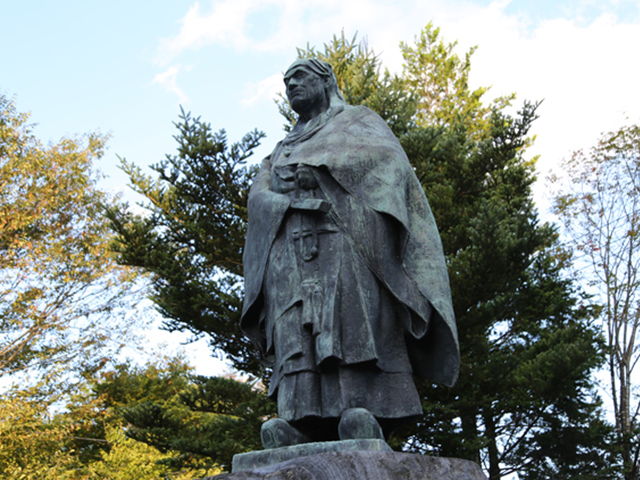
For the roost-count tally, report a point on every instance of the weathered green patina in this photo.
(346, 287)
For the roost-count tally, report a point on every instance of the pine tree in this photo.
(527, 335)
(192, 422)
(191, 240)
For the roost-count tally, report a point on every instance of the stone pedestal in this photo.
(361, 465)
(264, 458)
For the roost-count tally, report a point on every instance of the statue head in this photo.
(312, 87)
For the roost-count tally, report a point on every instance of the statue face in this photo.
(305, 90)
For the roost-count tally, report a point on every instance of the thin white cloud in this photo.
(168, 79)
(582, 69)
(265, 90)
(225, 23)
(583, 73)
(228, 23)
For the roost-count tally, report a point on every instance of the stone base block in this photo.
(263, 458)
(362, 465)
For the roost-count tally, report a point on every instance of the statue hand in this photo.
(311, 205)
(305, 178)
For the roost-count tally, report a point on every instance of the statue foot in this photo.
(359, 423)
(276, 433)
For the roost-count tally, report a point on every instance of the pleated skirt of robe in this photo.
(335, 332)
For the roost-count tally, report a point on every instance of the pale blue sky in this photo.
(123, 67)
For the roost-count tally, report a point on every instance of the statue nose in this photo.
(292, 88)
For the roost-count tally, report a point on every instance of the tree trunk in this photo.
(494, 459)
(470, 434)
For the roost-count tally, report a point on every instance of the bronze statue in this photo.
(346, 288)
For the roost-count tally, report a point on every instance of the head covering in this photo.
(323, 69)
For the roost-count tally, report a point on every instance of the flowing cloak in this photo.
(379, 206)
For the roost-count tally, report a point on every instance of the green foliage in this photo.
(31, 440)
(96, 408)
(102, 413)
(195, 422)
(63, 300)
(88, 437)
(439, 80)
(214, 419)
(128, 459)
